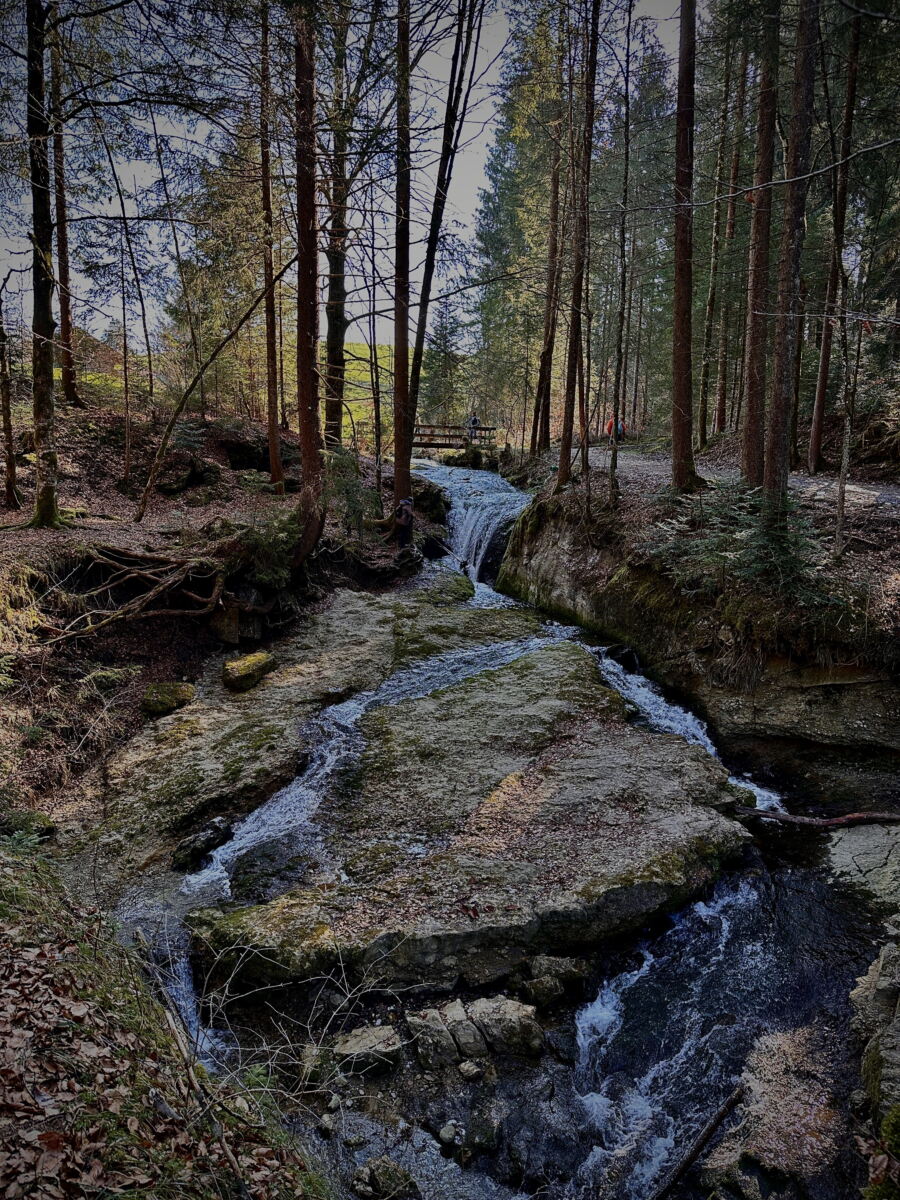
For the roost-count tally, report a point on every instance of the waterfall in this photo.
(483, 510)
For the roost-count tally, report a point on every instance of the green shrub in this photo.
(727, 540)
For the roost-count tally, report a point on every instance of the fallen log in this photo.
(857, 818)
(693, 1152)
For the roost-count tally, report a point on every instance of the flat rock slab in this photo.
(869, 856)
(514, 813)
(227, 751)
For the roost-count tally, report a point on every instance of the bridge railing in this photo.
(454, 435)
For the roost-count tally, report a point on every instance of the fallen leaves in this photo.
(94, 1095)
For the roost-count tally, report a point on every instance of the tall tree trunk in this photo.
(310, 507)
(720, 418)
(623, 262)
(709, 315)
(841, 172)
(551, 296)
(684, 474)
(778, 445)
(403, 414)
(65, 339)
(336, 249)
(637, 360)
(126, 378)
(579, 256)
(43, 326)
(470, 15)
(752, 449)
(276, 470)
(11, 491)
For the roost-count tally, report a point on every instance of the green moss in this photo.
(241, 674)
(162, 698)
(890, 1131)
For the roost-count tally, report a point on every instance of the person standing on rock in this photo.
(403, 522)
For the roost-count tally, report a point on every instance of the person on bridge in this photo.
(622, 430)
(403, 521)
(473, 426)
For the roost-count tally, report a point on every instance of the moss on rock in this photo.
(159, 699)
(242, 674)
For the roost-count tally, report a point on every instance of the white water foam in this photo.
(483, 505)
(667, 717)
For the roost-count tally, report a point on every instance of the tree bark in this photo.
(684, 474)
(551, 296)
(276, 470)
(43, 326)
(814, 455)
(709, 315)
(403, 413)
(623, 262)
(336, 322)
(778, 446)
(720, 418)
(752, 449)
(579, 256)
(65, 339)
(307, 277)
(11, 491)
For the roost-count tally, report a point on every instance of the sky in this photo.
(468, 176)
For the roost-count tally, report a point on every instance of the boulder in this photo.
(159, 699)
(508, 1026)
(384, 1179)
(369, 1050)
(876, 1003)
(553, 979)
(526, 816)
(869, 857)
(191, 851)
(435, 1046)
(464, 1031)
(242, 674)
(790, 1132)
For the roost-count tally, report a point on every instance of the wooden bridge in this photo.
(453, 437)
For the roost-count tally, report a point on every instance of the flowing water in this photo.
(666, 1037)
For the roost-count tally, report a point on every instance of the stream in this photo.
(665, 1039)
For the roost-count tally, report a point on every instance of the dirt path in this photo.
(655, 471)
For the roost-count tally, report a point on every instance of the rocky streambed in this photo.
(483, 887)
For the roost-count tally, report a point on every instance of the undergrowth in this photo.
(727, 540)
(123, 1109)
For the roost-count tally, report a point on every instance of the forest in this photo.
(450, 599)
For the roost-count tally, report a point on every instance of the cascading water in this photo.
(335, 735)
(665, 1038)
(667, 717)
(482, 513)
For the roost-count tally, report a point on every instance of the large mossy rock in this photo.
(159, 699)
(229, 750)
(242, 674)
(514, 813)
(876, 1003)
